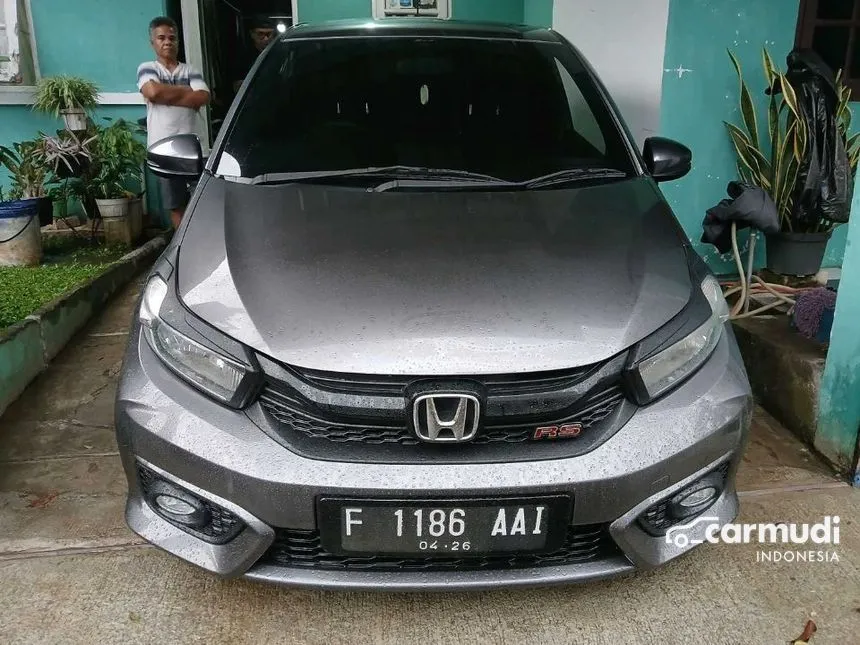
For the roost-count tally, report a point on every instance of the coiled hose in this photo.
(751, 285)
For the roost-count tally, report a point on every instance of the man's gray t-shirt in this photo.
(167, 120)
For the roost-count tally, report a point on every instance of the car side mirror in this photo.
(666, 159)
(176, 157)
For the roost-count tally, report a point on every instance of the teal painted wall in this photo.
(538, 12)
(703, 93)
(322, 10)
(839, 398)
(510, 11)
(103, 41)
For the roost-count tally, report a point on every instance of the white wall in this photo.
(624, 40)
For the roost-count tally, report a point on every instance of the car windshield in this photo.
(509, 109)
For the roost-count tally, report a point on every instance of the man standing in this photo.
(174, 94)
(262, 30)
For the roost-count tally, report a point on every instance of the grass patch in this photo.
(23, 290)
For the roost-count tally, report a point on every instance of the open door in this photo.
(218, 41)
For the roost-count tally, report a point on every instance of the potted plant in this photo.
(118, 156)
(66, 155)
(772, 158)
(67, 96)
(21, 214)
(61, 193)
(26, 163)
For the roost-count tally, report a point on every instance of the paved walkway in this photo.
(71, 572)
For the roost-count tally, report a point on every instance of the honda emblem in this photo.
(446, 418)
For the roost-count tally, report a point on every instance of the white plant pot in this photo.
(76, 120)
(113, 208)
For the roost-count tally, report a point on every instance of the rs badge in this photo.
(566, 431)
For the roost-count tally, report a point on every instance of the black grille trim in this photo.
(302, 549)
(499, 384)
(293, 416)
(223, 525)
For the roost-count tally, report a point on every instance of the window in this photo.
(16, 60)
(427, 8)
(583, 118)
(832, 29)
(510, 109)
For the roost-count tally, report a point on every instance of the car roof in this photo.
(419, 27)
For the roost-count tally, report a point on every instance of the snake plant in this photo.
(771, 157)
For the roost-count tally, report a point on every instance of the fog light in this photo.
(174, 505)
(177, 505)
(687, 503)
(699, 497)
(696, 497)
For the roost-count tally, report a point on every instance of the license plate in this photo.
(449, 528)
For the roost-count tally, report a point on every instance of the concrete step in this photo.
(775, 458)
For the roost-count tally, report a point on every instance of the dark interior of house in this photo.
(228, 50)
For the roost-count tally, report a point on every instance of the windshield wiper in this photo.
(411, 172)
(442, 181)
(571, 175)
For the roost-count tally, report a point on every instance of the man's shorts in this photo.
(174, 193)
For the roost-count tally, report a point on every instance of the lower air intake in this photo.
(302, 549)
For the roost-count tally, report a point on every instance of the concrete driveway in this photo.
(71, 572)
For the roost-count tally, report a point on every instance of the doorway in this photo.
(225, 45)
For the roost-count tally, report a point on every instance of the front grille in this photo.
(496, 385)
(290, 413)
(222, 526)
(302, 549)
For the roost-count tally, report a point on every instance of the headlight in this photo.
(204, 368)
(665, 370)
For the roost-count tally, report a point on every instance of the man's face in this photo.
(261, 37)
(165, 42)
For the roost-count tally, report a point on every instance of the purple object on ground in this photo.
(810, 308)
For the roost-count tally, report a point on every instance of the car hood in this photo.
(433, 283)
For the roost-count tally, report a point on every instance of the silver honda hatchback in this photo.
(428, 323)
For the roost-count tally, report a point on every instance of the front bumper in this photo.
(220, 455)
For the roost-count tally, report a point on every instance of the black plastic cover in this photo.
(746, 206)
(824, 184)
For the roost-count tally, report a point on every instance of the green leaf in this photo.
(786, 196)
(798, 143)
(747, 105)
(842, 112)
(846, 115)
(771, 73)
(784, 155)
(853, 148)
(790, 96)
(750, 157)
(773, 124)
